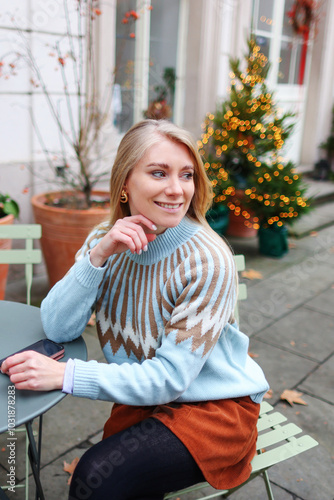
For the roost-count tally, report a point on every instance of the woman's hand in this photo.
(126, 234)
(33, 371)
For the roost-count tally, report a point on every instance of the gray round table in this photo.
(20, 326)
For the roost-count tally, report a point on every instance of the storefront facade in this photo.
(177, 51)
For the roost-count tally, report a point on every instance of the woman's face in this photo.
(161, 185)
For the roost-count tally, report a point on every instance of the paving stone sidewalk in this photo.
(289, 317)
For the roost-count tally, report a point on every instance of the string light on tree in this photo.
(242, 144)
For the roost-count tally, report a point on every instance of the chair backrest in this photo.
(242, 289)
(27, 255)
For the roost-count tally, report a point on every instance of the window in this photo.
(139, 38)
(146, 59)
(124, 64)
(274, 33)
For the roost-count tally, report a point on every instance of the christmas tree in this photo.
(242, 145)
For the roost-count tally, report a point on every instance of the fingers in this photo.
(131, 234)
(141, 219)
(34, 371)
(12, 361)
(17, 362)
(140, 223)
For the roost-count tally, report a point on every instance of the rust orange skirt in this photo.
(220, 435)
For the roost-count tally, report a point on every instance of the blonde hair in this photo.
(133, 146)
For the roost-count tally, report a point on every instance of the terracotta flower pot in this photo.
(237, 227)
(240, 226)
(4, 245)
(64, 231)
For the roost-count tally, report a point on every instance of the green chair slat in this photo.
(240, 262)
(265, 407)
(277, 435)
(20, 231)
(268, 421)
(287, 450)
(242, 291)
(18, 256)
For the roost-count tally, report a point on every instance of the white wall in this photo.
(217, 29)
(320, 98)
(21, 150)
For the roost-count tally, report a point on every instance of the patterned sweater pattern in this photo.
(164, 320)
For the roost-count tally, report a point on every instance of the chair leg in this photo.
(27, 466)
(34, 458)
(268, 485)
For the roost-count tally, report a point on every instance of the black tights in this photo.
(142, 463)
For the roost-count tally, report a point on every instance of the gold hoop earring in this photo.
(124, 196)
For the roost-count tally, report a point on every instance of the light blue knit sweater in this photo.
(164, 320)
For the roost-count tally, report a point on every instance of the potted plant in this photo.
(277, 198)
(245, 135)
(9, 210)
(161, 106)
(244, 130)
(82, 118)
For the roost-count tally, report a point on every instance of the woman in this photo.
(163, 286)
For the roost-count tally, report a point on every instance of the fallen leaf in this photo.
(70, 468)
(292, 245)
(268, 394)
(293, 343)
(3, 449)
(313, 233)
(251, 274)
(253, 355)
(292, 396)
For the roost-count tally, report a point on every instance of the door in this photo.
(283, 36)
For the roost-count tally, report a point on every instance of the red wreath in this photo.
(302, 15)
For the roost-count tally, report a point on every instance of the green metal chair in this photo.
(27, 256)
(275, 442)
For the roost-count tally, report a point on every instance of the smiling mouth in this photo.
(169, 205)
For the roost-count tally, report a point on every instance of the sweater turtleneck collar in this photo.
(166, 242)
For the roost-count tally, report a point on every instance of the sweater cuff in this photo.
(85, 381)
(88, 275)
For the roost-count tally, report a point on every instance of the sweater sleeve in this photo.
(198, 302)
(68, 306)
